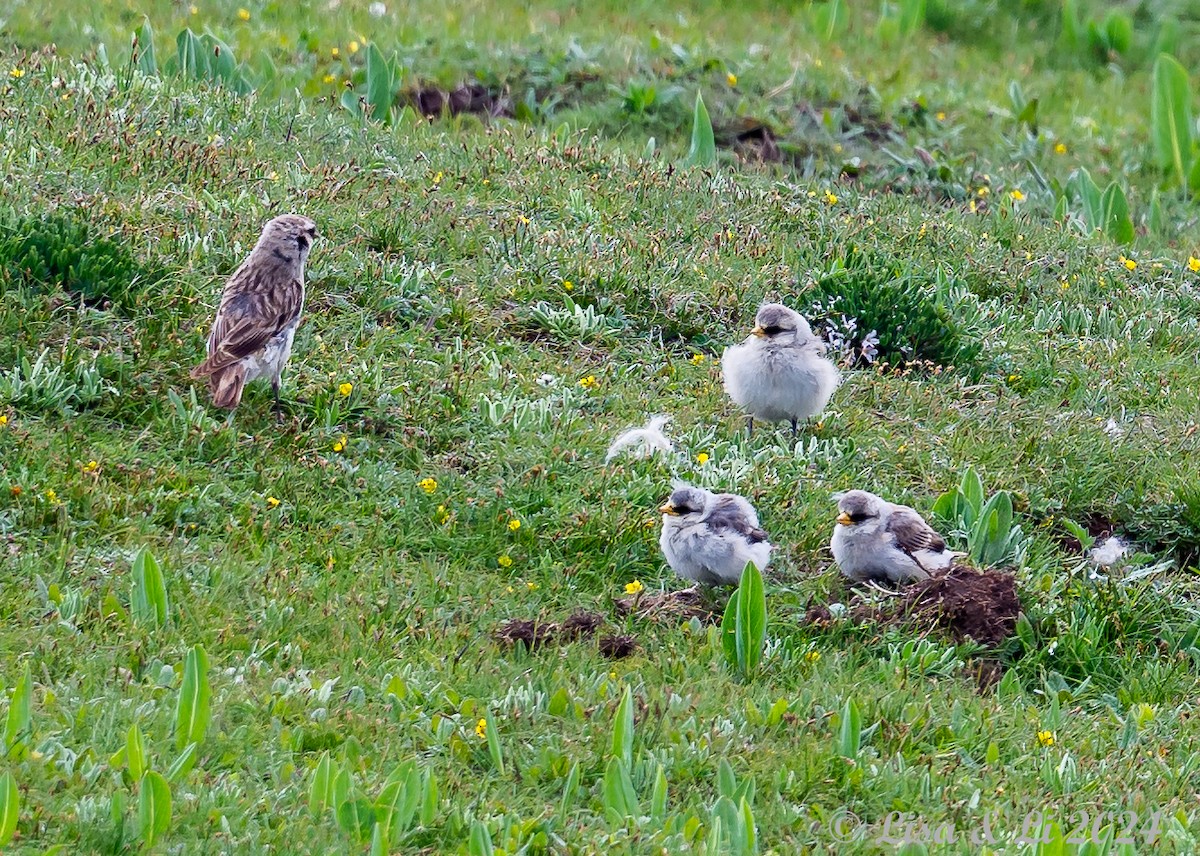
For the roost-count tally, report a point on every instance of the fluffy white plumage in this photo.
(878, 540)
(779, 372)
(709, 537)
(643, 442)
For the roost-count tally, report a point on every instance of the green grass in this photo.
(345, 608)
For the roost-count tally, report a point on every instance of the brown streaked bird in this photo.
(260, 309)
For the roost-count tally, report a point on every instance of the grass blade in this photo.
(493, 744)
(192, 713)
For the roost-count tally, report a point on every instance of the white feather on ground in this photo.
(1108, 552)
(642, 442)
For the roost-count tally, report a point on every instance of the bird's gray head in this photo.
(287, 240)
(686, 501)
(858, 506)
(776, 323)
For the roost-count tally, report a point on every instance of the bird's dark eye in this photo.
(773, 330)
(304, 241)
(859, 516)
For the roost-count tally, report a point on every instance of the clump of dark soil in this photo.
(1096, 524)
(965, 603)
(671, 606)
(752, 141)
(472, 97)
(579, 625)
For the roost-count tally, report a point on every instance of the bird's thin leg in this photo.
(278, 408)
(749, 427)
(793, 429)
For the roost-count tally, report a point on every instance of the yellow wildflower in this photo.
(1016, 196)
(427, 484)
(1193, 266)
(481, 729)
(589, 382)
(15, 490)
(51, 496)
(1060, 148)
(274, 176)
(731, 79)
(340, 445)
(514, 525)
(442, 515)
(345, 389)
(812, 656)
(830, 197)
(3, 420)
(91, 467)
(504, 562)
(244, 14)
(353, 46)
(272, 502)
(568, 285)
(1130, 264)
(194, 10)
(702, 458)
(329, 78)
(532, 586)
(1046, 737)
(634, 587)
(523, 220)
(437, 179)
(983, 191)
(330, 562)
(941, 115)
(335, 53)
(697, 359)
(17, 73)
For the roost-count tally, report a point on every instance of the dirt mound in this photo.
(579, 625)
(966, 603)
(671, 605)
(470, 97)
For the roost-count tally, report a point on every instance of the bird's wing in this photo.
(912, 533)
(252, 312)
(734, 513)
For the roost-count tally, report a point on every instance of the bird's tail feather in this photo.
(226, 385)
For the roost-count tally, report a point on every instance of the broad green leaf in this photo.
(567, 804)
(1118, 224)
(560, 702)
(749, 830)
(620, 799)
(182, 765)
(726, 811)
(1171, 117)
(972, 490)
(726, 780)
(10, 807)
(1068, 39)
(135, 752)
(775, 714)
(148, 603)
(146, 62)
(703, 151)
(190, 54)
(850, 732)
(729, 631)
(993, 753)
(1089, 197)
(830, 19)
(320, 787)
(480, 842)
(192, 713)
(1156, 219)
(493, 743)
(19, 725)
(154, 808)
(429, 800)
(750, 627)
(355, 817)
(912, 16)
(343, 786)
(380, 85)
(658, 797)
(397, 801)
(622, 736)
(1118, 31)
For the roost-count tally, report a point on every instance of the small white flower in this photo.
(377, 10)
(547, 380)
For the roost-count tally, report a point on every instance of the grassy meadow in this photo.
(232, 634)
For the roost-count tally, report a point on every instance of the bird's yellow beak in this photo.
(844, 519)
(669, 509)
(758, 331)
